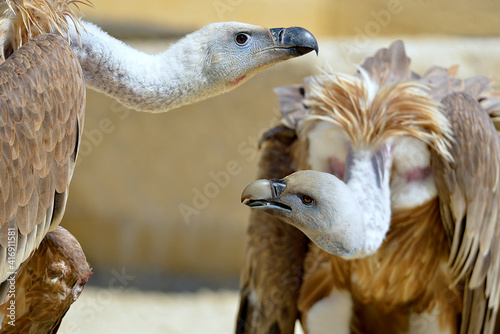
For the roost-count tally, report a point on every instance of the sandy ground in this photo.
(105, 311)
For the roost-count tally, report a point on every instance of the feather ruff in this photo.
(21, 20)
(372, 116)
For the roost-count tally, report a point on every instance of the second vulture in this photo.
(388, 220)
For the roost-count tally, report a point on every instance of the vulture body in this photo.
(390, 180)
(49, 56)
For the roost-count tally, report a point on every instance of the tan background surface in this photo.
(136, 170)
(322, 17)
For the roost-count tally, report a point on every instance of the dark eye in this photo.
(241, 38)
(307, 200)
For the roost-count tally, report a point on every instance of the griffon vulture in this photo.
(42, 99)
(389, 219)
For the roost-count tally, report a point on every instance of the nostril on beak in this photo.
(277, 187)
(280, 35)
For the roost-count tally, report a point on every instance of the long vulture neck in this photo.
(368, 178)
(152, 83)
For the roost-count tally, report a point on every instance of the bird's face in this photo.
(317, 203)
(237, 51)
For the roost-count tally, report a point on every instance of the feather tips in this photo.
(22, 20)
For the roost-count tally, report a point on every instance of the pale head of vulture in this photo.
(232, 52)
(318, 204)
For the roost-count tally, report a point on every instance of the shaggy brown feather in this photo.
(274, 254)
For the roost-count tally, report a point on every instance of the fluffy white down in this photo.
(427, 323)
(325, 141)
(409, 154)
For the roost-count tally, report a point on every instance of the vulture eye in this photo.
(241, 38)
(307, 200)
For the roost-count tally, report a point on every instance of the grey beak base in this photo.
(297, 40)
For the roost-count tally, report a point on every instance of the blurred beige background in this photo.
(137, 172)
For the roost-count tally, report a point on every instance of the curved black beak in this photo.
(298, 41)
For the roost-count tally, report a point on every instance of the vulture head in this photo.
(317, 203)
(234, 52)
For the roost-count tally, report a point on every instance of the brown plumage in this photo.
(46, 285)
(42, 93)
(42, 121)
(436, 269)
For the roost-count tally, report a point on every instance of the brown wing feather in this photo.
(42, 100)
(46, 285)
(291, 100)
(389, 65)
(273, 268)
(443, 81)
(470, 199)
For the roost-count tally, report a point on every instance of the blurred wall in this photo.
(322, 17)
(159, 194)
